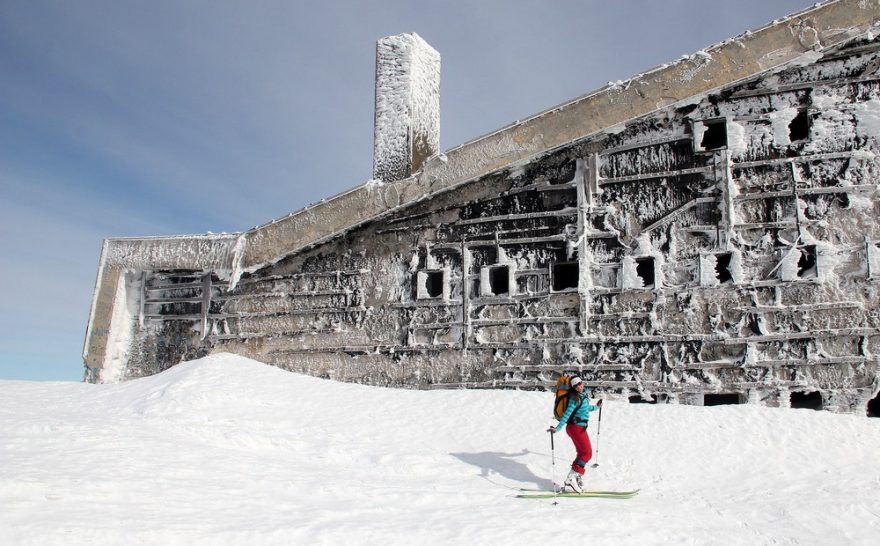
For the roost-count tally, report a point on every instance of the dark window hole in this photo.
(806, 400)
(499, 280)
(873, 408)
(715, 135)
(564, 276)
(799, 128)
(754, 326)
(722, 399)
(434, 283)
(639, 399)
(807, 262)
(645, 271)
(722, 268)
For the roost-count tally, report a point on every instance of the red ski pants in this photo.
(578, 435)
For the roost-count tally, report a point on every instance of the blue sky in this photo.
(130, 118)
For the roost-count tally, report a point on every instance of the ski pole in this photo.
(598, 432)
(553, 461)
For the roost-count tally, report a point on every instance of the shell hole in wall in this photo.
(430, 284)
(499, 280)
(645, 271)
(754, 325)
(564, 276)
(722, 268)
(434, 284)
(806, 400)
(722, 399)
(799, 128)
(807, 262)
(714, 136)
(873, 408)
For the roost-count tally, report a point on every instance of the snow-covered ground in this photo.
(225, 450)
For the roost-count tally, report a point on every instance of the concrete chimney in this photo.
(407, 124)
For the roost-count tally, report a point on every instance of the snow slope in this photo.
(225, 450)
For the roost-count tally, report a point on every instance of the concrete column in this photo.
(407, 123)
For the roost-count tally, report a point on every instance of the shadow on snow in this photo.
(504, 465)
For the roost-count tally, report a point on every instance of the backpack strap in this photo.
(580, 402)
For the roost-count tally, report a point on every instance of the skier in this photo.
(575, 419)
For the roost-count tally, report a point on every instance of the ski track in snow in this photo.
(225, 450)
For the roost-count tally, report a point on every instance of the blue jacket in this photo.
(577, 413)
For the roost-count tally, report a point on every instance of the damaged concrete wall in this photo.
(115, 329)
(721, 251)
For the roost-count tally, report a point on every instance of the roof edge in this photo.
(770, 47)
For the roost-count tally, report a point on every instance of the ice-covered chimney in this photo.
(407, 129)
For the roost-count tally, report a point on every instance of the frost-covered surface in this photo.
(122, 325)
(407, 105)
(722, 245)
(230, 451)
(704, 237)
(181, 252)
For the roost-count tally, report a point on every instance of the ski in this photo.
(562, 488)
(544, 494)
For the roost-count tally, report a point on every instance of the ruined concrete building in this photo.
(705, 232)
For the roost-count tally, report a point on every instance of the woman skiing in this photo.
(575, 419)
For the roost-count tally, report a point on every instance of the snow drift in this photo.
(226, 450)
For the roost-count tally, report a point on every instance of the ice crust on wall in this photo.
(119, 346)
(360, 307)
(780, 121)
(209, 252)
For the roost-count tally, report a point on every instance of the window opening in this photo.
(807, 262)
(639, 399)
(873, 408)
(754, 325)
(722, 268)
(722, 399)
(714, 135)
(564, 276)
(499, 280)
(806, 400)
(799, 128)
(434, 284)
(645, 271)
(430, 284)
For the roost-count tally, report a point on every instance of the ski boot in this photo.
(573, 481)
